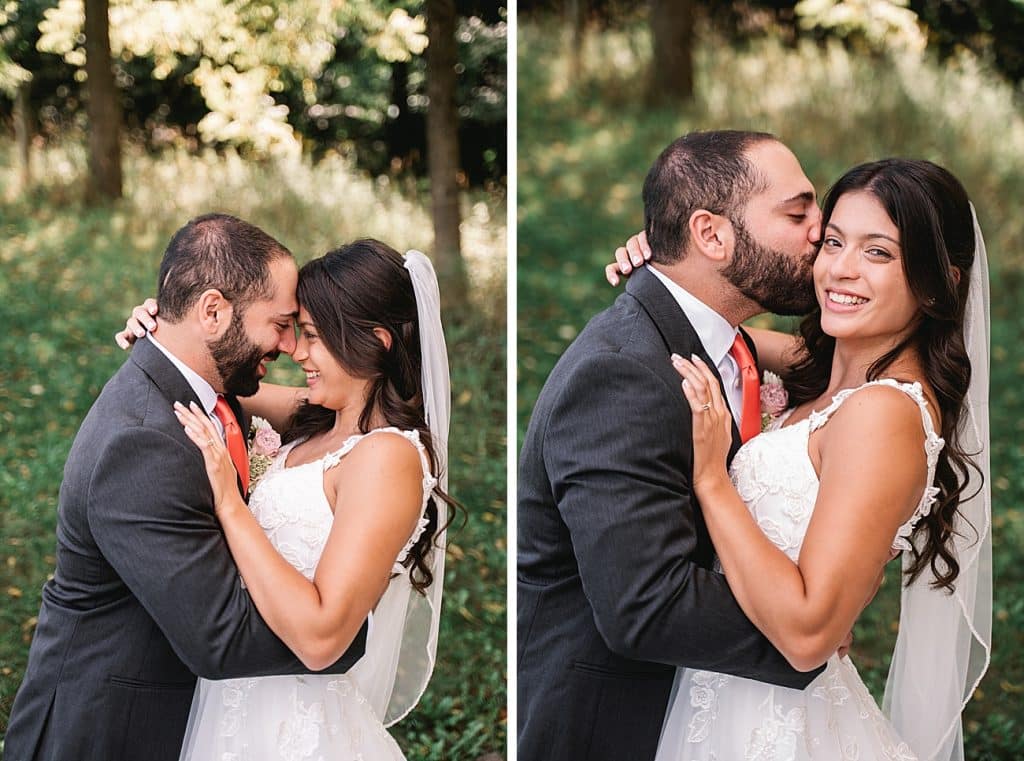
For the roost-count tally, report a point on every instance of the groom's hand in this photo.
(140, 320)
(628, 257)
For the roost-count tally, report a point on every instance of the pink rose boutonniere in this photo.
(264, 442)
(774, 398)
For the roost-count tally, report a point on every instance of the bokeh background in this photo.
(605, 85)
(320, 122)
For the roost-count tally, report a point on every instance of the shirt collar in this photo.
(715, 332)
(203, 389)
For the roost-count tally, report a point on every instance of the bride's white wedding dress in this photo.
(320, 717)
(717, 717)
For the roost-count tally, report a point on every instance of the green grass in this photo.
(584, 148)
(69, 273)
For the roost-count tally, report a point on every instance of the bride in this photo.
(884, 450)
(348, 520)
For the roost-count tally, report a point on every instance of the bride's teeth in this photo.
(842, 298)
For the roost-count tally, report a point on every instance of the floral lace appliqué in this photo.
(703, 697)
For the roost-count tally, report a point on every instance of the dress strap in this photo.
(933, 445)
(428, 482)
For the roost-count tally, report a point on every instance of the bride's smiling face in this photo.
(330, 384)
(859, 277)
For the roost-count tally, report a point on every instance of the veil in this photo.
(944, 641)
(402, 641)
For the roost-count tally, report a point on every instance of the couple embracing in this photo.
(686, 582)
(174, 563)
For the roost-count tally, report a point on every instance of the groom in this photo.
(615, 585)
(145, 595)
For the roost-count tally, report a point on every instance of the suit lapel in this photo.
(675, 329)
(175, 388)
(163, 373)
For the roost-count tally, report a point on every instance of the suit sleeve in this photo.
(150, 514)
(618, 450)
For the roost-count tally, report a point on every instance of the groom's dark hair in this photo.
(700, 170)
(216, 251)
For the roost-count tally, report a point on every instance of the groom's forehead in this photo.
(781, 170)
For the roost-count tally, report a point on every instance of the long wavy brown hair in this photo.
(348, 292)
(931, 210)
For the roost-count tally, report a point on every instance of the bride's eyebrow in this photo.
(836, 227)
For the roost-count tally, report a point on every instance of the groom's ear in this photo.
(213, 311)
(712, 235)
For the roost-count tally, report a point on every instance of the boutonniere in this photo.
(774, 398)
(264, 442)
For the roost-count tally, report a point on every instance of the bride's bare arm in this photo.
(376, 493)
(775, 350)
(872, 473)
(276, 404)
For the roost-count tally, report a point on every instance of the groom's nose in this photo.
(814, 231)
(287, 340)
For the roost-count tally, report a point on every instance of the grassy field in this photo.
(69, 273)
(585, 146)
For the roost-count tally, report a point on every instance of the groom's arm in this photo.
(620, 464)
(149, 513)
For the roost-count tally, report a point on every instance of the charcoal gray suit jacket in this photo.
(145, 595)
(615, 586)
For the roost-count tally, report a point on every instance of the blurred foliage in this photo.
(990, 29)
(268, 76)
(11, 75)
(68, 275)
(585, 147)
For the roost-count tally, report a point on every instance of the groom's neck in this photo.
(705, 283)
(188, 347)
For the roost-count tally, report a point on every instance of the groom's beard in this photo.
(238, 359)
(776, 281)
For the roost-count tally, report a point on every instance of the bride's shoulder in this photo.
(887, 413)
(389, 449)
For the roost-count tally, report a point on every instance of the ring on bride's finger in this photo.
(211, 442)
(706, 406)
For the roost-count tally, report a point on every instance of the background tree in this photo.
(16, 83)
(104, 106)
(672, 33)
(443, 144)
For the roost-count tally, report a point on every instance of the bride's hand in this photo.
(712, 422)
(628, 257)
(219, 468)
(138, 322)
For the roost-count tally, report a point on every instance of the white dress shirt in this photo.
(717, 336)
(205, 392)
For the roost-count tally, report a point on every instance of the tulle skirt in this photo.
(715, 716)
(315, 717)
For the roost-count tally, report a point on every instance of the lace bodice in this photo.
(776, 480)
(293, 511)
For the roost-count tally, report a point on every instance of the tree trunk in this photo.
(577, 11)
(23, 132)
(103, 107)
(443, 148)
(672, 27)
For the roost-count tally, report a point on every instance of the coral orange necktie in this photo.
(751, 418)
(235, 441)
